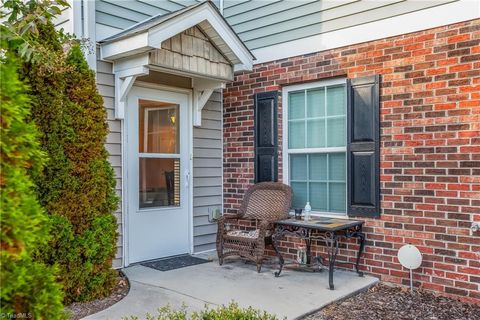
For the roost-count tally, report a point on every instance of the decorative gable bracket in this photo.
(202, 91)
(123, 83)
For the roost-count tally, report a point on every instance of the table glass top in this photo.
(321, 223)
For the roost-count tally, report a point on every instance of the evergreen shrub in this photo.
(28, 287)
(77, 186)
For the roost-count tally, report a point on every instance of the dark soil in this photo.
(79, 310)
(385, 302)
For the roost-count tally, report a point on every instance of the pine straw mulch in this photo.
(79, 310)
(387, 302)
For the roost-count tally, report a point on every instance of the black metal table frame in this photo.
(330, 238)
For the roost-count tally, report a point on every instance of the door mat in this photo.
(173, 263)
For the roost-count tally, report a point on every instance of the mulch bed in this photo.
(79, 310)
(397, 303)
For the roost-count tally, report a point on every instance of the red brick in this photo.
(430, 136)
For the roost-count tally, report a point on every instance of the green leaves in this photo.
(24, 20)
(28, 285)
(230, 312)
(76, 185)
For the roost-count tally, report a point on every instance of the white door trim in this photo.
(125, 171)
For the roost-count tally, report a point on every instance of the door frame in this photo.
(124, 127)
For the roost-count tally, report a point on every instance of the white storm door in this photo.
(158, 147)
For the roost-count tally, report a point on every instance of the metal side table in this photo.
(327, 230)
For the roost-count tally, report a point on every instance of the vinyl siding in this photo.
(112, 15)
(105, 85)
(265, 23)
(207, 173)
(262, 23)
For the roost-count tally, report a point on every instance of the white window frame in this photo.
(285, 150)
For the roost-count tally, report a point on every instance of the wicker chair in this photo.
(263, 203)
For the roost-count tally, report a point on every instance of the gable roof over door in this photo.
(150, 33)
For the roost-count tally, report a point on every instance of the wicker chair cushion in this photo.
(266, 204)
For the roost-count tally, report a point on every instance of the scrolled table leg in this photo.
(332, 256)
(277, 235)
(361, 237)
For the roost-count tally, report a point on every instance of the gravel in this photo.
(397, 303)
(79, 310)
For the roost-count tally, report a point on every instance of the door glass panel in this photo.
(159, 182)
(159, 154)
(158, 127)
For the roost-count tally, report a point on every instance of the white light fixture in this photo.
(410, 258)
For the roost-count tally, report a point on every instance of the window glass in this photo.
(296, 103)
(336, 136)
(317, 166)
(336, 101)
(296, 134)
(159, 158)
(316, 103)
(298, 168)
(158, 127)
(159, 182)
(317, 133)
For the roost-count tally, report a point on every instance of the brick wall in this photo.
(430, 148)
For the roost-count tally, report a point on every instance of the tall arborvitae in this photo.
(77, 187)
(28, 287)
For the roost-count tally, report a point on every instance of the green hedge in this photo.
(230, 312)
(28, 287)
(77, 185)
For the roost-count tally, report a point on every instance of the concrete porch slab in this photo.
(292, 295)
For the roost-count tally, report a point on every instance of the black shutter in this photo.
(266, 142)
(363, 147)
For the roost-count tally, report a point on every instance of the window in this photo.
(159, 154)
(315, 145)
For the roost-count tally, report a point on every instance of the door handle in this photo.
(187, 179)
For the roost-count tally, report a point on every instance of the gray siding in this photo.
(105, 85)
(265, 23)
(262, 23)
(207, 173)
(118, 15)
